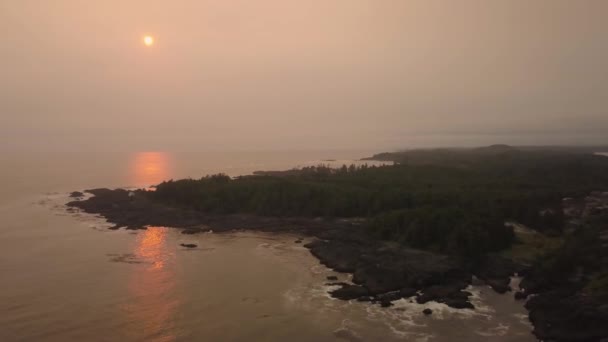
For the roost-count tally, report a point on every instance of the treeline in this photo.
(456, 208)
(445, 229)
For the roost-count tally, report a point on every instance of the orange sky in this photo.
(316, 73)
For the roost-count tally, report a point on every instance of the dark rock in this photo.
(348, 292)
(385, 303)
(477, 282)
(496, 271)
(459, 303)
(407, 292)
(337, 284)
(532, 283)
(332, 278)
(136, 228)
(298, 241)
(188, 245)
(338, 255)
(192, 231)
(497, 267)
(567, 318)
(387, 270)
(378, 279)
(520, 295)
(364, 299)
(389, 296)
(76, 194)
(427, 311)
(499, 285)
(452, 296)
(439, 293)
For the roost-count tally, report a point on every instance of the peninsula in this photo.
(424, 228)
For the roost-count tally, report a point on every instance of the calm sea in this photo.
(65, 277)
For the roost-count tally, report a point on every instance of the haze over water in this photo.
(66, 277)
(121, 93)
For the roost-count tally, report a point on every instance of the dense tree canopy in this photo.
(455, 203)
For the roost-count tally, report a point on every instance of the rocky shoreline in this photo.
(381, 272)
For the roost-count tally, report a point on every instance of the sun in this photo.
(148, 40)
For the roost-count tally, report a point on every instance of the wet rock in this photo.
(390, 296)
(496, 271)
(348, 292)
(364, 299)
(192, 231)
(337, 284)
(459, 303)
(188, 245)
(533, 283)
(387, 270)
(136, 228)
(477, 282)
(452, 296)
(427, 311)
(439, 293)
(386, 303)
(332, 278)
(407, 292)
(520, 295)
(499, 285)
(76, 194)
(337, 255)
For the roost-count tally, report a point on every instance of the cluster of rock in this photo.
(383, 273)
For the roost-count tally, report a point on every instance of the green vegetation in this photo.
(453, 201)
(529, 246)
(578, 264)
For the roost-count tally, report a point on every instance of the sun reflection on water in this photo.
(153, 288)
(150, 168)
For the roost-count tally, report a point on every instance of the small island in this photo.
(424, 228)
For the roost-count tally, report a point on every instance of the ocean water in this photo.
(66, 277)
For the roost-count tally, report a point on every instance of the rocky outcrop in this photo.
(76, 194)
(348, 292)
(452, 296)
(192, 231)
(573, 318)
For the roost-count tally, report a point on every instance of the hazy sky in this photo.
(302, 74)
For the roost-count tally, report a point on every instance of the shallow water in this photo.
(66, 277)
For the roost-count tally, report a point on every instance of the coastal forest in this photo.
(448, 201)
(424, 225)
